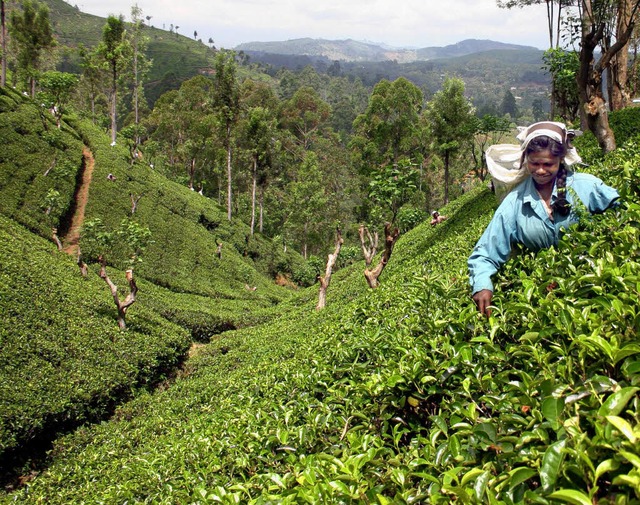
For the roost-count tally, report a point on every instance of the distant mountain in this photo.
(352, 50)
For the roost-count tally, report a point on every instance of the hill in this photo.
(353, 51)
(63, 359)
(175, 57)
(403, 394)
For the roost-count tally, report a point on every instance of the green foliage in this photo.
(409, 217)
(38, 160)
(392, 186)
(625, 123)
(563, 66)
(405, 394)
(31, 31)
(63, 361)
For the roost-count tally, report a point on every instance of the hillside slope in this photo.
(63, 360)
(404, 394)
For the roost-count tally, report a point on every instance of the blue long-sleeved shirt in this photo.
(522, 218)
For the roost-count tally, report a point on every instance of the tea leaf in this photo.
(551, 464)
(617, 401)
(571, 496)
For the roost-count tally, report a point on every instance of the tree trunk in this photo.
(128, 301)
(229, 172)
(326, 278)
(3, 27)
(114, 98)
(619, 97)
(192, 173)
(368, 251)
(253, 192)
(446, 177)
(390, 240)
(56, 239)
(261, 218)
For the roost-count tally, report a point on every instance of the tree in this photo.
(3, 34)
(372, 274)
(554, 22)
(93, 76)
(388, 129)
(31, 31)
(140, 63)
(563, 66)
(450, 115)
(392, 187)
(508, 105)
(259, 134)
(306, 202)
(226, 100)
(57, 88)
(116, 52)
(182, 122)
(130, 240)
(554, 17)
(618, 71)
(325, 279)
(304, 114)
(595, 17)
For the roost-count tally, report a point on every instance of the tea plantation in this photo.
(404, 394)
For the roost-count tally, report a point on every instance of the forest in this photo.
(185, 315)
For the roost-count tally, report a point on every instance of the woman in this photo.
(534, 213)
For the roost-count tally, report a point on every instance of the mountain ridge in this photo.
(353, 50)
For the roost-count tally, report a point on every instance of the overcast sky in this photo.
(397, 23)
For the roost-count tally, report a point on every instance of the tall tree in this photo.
(116, 52)
(263, 140)
(181, 122)
(304, 114)
(509, 105)
(595, 16)
(3, 34)
(563, 65)
(226, 99)
(93, 76)
(450, 116)
(305, 202)
(388, 129)
(259, 132)
(32, 32)
(619, 96)
(140, 64)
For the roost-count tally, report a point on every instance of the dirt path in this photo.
(72, 238)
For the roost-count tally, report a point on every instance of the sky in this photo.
(396, 23)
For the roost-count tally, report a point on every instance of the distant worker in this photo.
(437, 218)
(111, 177)
(545, 199)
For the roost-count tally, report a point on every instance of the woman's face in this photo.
(543, 167)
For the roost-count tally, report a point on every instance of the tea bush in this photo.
(63, 361)
(404, 394)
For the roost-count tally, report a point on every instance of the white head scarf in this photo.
(506, 162)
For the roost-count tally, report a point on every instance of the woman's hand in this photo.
(483, 301)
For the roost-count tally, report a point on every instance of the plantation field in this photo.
(404, 394)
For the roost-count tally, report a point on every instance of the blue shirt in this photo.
(522, 218)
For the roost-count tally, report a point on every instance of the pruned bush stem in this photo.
(390, 239)
(128, 301)
(326, 278)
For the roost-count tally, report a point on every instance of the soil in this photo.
(72, 238)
